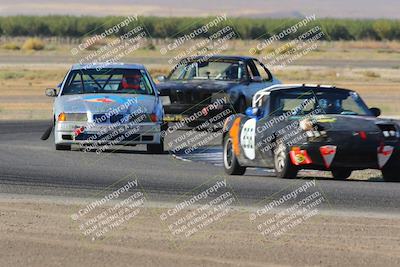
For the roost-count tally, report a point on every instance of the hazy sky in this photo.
(249, 8)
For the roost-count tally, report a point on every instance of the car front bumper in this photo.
(349, 156)
(84, 133)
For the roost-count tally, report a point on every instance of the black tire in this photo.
(63, 147)
(231, 164)
(156, 148)
(390, 175)
(341, 174)
(241, 106)
(282, 164)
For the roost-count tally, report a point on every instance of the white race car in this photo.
(116, 104)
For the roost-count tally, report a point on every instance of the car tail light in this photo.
(299, 157)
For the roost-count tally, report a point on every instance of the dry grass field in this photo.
(372, 68)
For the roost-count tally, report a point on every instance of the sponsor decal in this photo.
(234, 134)
(107, 99)
(384, 153)
(100, 100)
(299, 157)
(247, 138)
(328, 153)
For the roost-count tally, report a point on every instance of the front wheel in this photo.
(231, 164)
(341, 174)
(283, 166)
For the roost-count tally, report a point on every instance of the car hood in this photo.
(102, 103)
(349, 122)
(206, 85)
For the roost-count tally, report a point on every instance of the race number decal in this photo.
(247, 139)
(384, 153)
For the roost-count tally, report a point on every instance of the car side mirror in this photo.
(252, 112)
(51, 92)
(375, 111)
(161, 78)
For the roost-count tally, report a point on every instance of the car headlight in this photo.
(144, 117)
(72, 117)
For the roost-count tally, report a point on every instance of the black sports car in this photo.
(293, 127)
(199, 88)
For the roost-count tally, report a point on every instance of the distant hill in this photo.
(237, 8)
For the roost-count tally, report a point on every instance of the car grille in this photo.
(99, 118)
(106, 139)
(116, 118)
(190, 97)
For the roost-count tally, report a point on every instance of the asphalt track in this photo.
(30, 166)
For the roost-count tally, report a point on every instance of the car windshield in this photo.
(209, 70)
(112, 81)
(321, 101)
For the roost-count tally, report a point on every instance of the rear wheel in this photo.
(341, 174)
(283, 166)
(63, 147)
(231, 164)
(156, 148)
(390, 175)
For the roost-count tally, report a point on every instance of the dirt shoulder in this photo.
(35, 233)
